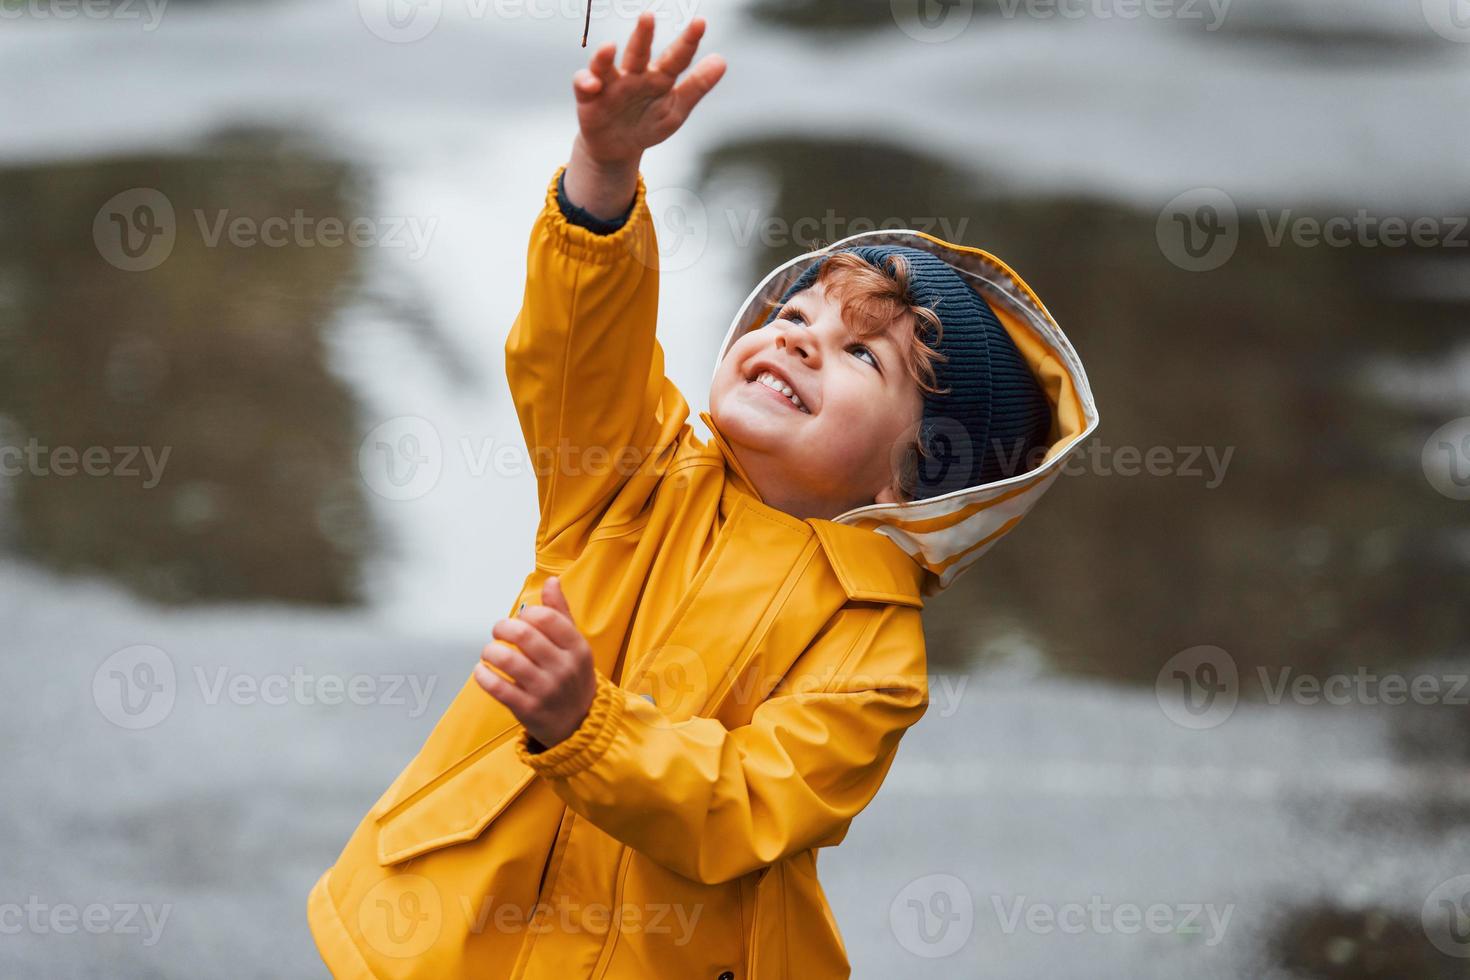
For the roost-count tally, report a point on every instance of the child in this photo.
(728, 649)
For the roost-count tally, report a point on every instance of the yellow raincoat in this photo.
(755, 671)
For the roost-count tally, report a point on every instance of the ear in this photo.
(888, 495)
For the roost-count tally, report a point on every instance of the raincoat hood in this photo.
(946, 534)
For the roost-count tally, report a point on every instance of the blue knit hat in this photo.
(992, 414)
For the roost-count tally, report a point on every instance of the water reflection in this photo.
(1325, 34)
(1329, 943)
(1322, 546)
(227, 454)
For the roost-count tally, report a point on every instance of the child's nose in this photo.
(801, 346)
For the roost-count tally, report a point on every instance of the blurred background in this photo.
(262, 490)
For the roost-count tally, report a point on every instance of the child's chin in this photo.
(752, 426)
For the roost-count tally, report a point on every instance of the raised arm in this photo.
(584, 366)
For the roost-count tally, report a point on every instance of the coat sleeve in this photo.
(713, 803)
(585, 369)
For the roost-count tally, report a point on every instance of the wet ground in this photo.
(1055, 789)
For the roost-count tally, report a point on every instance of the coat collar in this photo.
(870, 566)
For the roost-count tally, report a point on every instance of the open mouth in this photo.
(778, 387)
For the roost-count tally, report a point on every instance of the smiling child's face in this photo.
(858, 408)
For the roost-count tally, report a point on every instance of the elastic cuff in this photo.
(585, 745)
(634, 238)
(583, 217)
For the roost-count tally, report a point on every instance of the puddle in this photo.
(223, 449)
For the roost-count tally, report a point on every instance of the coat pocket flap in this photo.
(457, 810)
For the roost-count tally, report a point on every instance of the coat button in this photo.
(727, 975)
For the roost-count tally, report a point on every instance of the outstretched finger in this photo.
(585, 85)
(635, 53)
(601, 64)
(676, 56)
(697, 84)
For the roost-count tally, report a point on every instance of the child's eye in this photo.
(794, 314)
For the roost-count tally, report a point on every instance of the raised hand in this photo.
(550, 664)
(624, 109)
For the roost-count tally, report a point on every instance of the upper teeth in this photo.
(771, 381)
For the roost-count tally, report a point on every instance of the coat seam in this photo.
(561, 402)
(768, 619)
(860, 642)
(614, 932)
(688, 602)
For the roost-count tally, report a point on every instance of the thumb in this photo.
(553, 596)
